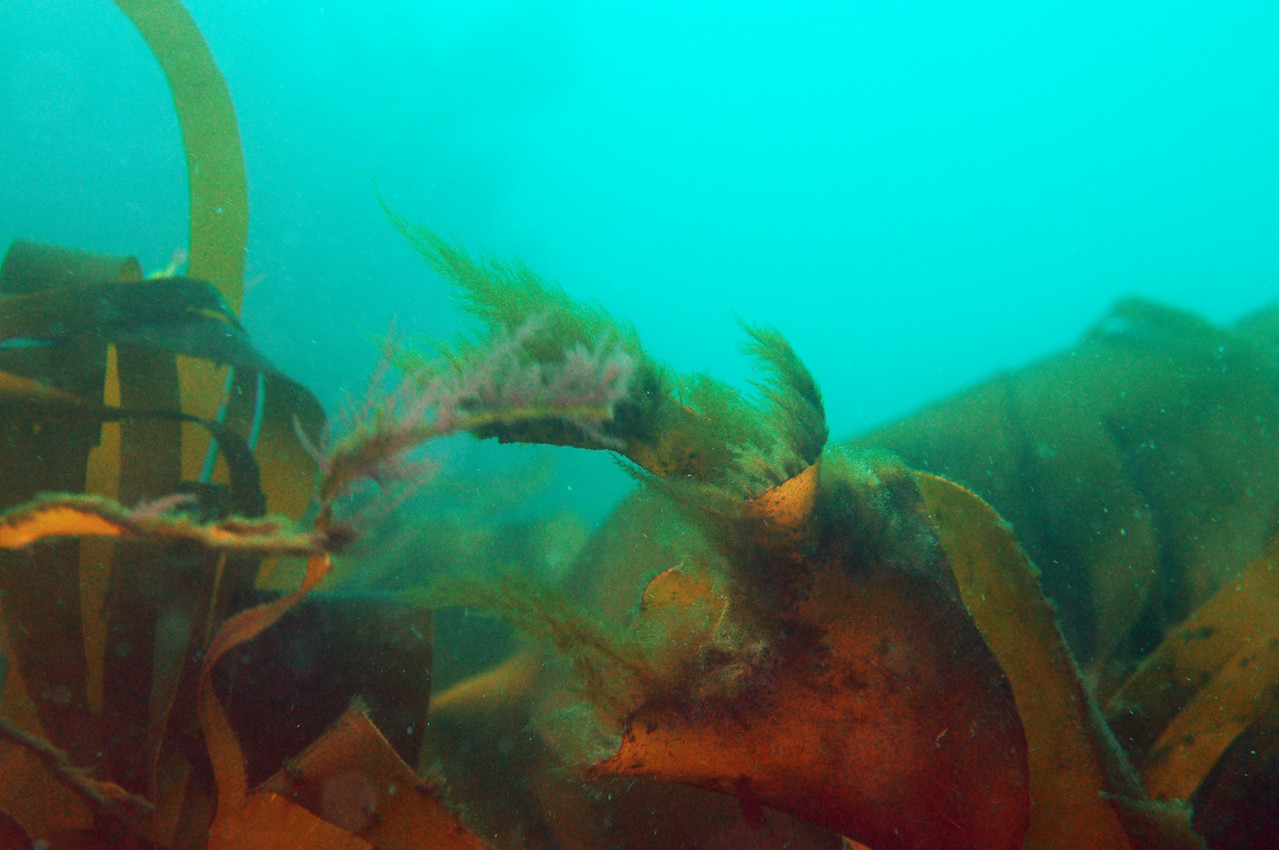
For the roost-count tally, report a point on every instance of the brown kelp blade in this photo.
(892, 727)
(1206, 683)
(267, 821)
(353, 778)
(219, 206)
(63, 515)
(1084, 792)
(1138, 469)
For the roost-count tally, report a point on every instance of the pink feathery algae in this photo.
(492, 386)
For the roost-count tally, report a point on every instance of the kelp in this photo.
(755, 472)
(91, 385)
(386, 804)
(218, 188)
(1138, 469)
(495, 385)
(779, 442)
(116, 674)
(777, 629)
(1213, 677)
(74, 515)
(498, 388)
(804, 628)
(1084, 790)
(783, 554)
(811, 630)
(672, 426)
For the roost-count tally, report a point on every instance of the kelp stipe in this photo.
(217, 185)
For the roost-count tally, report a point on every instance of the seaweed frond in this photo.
(764, 442)
(793, 400)
(66, 515)
(106, 799)
(505, 295)
(694, 437)
(495, 389)
(612, 668)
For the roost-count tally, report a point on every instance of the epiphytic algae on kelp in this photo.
(823, 663)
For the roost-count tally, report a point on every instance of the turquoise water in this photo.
(917, 194)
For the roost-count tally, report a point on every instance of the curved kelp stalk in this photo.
(218, 220)
(219, 200)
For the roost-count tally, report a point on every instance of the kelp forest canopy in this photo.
(1040, 614)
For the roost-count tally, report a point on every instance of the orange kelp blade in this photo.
(266, 821)
(68, 515)
(1206, 683)
(501, 690)
(244, 821)
(883, 717)
(227, 759)
(353, 778)
(679, 613)
(1084, 792)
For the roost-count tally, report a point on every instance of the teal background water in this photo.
(917, 194)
